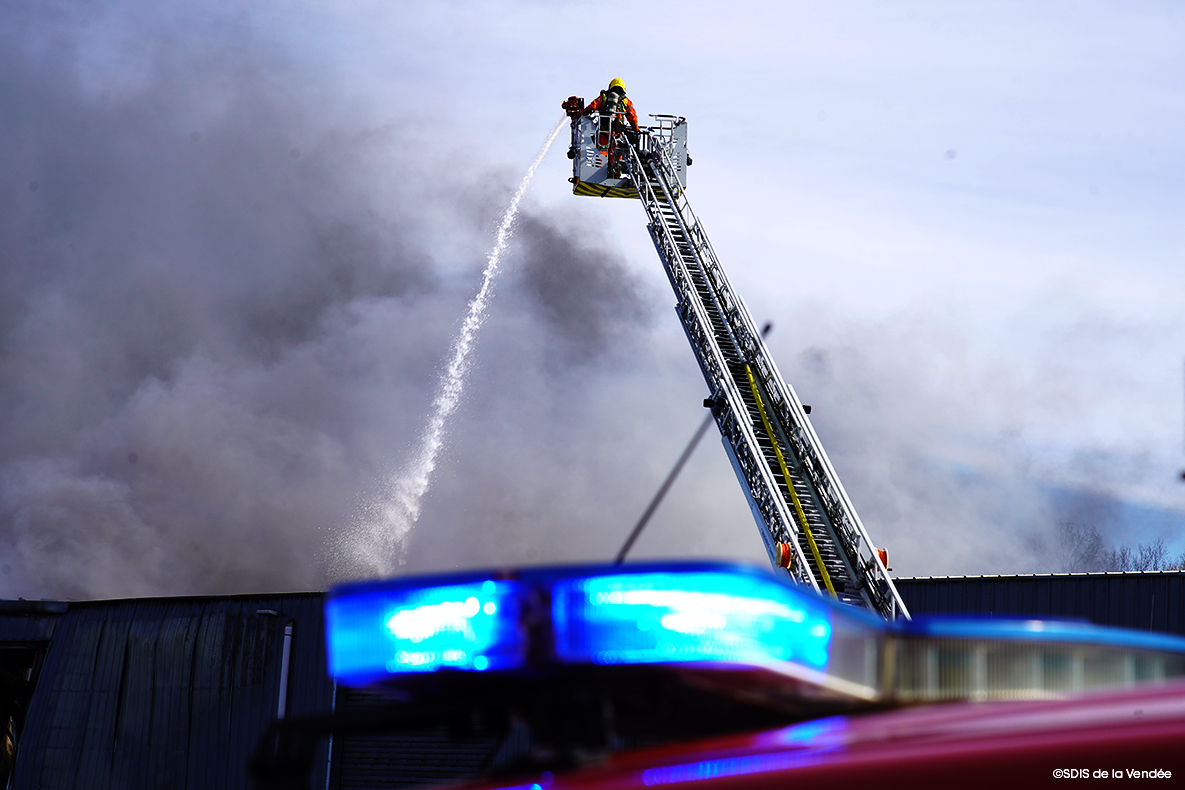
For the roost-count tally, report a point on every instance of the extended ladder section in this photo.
(807, 522)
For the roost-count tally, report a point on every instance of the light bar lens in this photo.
(984, 658)
(720, 617)
(378, 632)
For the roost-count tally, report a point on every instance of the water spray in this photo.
(376, 545)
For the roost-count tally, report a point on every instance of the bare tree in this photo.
(1080, 547)
(1152, 556)
(1119, 559)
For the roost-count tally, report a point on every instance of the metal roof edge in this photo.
(55, 606)
(1005, 576)
(43, 606)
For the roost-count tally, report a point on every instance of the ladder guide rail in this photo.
(790, 483)
(738, 434)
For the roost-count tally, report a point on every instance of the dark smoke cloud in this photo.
(587, 297)
(222, 309)
(185, 256)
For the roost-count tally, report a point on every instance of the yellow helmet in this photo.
(617, 83)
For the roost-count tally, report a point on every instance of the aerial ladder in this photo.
(806, 520)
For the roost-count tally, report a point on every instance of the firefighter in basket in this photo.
(614, 104)
(617, 114)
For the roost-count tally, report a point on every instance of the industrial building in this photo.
(1144, 601)
(176, 692)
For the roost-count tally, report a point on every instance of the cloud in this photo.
(224, 304)
(200, 284)
(899, 408)
(230, 267)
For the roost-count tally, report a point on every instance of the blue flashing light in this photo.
(380, 630)
(718, 616)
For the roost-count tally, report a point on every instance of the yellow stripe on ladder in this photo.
(810, 538)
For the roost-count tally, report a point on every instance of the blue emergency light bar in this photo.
(713, 615)
(645, 614)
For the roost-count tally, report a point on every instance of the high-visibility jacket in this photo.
(623, 114)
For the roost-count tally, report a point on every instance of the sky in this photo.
(236, 241)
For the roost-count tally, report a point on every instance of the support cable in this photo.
(666, 484)
(662, 490)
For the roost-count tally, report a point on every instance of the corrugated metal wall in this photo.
(1150, 601)
(167, 693)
